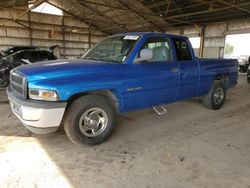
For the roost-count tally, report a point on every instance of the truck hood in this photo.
(66, 68)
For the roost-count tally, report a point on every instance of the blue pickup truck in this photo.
(123, 73)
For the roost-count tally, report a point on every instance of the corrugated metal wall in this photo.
(75, 37)
(46, 30)
(215, 36)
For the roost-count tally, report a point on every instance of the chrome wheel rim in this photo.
(218, 95)
(93, 122)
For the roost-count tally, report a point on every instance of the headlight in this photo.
(41, 94)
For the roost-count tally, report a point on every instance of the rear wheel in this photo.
(248, 76)
(216, 97)
(89, 120)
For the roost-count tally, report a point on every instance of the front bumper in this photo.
(39, 117)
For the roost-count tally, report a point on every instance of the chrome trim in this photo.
(18, 83)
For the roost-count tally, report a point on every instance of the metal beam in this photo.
(204, 11)
(78, 17)
(100, 14)
(139, 14)
(202, 41)
(36, 4)
(89, 36)
(30, 29)
(233, 6)
(104, 5)
(63, 35)
(221, 17)
(177, 9)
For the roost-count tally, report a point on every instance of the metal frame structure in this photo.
(144, 15)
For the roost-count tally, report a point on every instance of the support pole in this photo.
(63, 35)
(202, 33)
(89, 36)
(30, 29)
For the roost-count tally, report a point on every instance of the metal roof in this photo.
(118, 16)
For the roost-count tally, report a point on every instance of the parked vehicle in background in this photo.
(19, 58)
(4, 74)
(14, 49)
(244, 61)
(24, 57)
(123, 73)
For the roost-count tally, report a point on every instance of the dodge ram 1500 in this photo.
(123, 73)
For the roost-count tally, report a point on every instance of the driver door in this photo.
(155, 81)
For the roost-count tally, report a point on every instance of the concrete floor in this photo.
(189, 147)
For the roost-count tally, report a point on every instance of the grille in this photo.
(18, 84)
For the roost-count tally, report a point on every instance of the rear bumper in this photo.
(38, 116)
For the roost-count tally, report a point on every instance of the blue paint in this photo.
(136, 86)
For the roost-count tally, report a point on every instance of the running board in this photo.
(160, 110)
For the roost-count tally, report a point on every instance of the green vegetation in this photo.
(229, 49)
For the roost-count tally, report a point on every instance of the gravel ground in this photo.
(189, 147)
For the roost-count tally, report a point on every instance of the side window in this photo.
(182, 49)
(39, 56)
(27, 55)
(31, 56)
(160, 47)
(43, 56)
(17, 59)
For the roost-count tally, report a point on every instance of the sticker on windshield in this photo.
(131, 37)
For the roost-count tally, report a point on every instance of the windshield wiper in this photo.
(98, 59)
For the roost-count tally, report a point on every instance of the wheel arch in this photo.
(224, 77)
(111, 94)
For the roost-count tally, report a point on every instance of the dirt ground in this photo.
(189, 147)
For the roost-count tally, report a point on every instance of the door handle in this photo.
(174, 69)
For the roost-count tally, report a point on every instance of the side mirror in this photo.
(145, 54)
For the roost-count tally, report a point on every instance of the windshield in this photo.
(112, 49)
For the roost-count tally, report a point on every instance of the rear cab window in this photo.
(182, 48)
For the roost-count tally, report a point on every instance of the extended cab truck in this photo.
(123, 73)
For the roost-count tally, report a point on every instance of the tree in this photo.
(229, 49)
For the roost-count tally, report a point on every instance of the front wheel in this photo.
(89, 120)
(216, 97)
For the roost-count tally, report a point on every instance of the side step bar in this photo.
(160, 110)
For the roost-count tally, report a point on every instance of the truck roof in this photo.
(151, 33)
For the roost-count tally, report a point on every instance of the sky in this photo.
(195, 41)
(47, 8)
(241, 43)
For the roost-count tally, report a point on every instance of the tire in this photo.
(248, 74)
(215, 99)
(89, 120)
